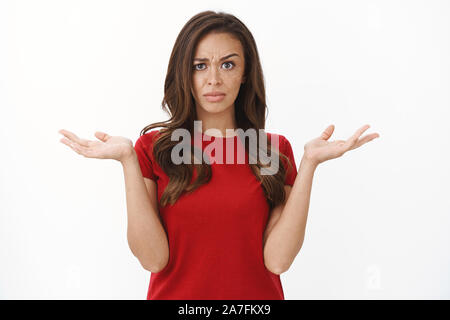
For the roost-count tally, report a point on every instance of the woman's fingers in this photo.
(365, 139)
(67, 142)
(351, 142)
(73, 137)
(80, 146)
(76, 147)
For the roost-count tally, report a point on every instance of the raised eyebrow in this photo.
(223, 58)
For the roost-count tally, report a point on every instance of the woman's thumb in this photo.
(326, 134)
(101, 136)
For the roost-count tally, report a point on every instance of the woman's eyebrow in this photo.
(223, 58)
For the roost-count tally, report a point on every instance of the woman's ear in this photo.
(243, 79)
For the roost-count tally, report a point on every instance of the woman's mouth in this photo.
(215, 98)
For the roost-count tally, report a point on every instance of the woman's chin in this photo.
(214, 107)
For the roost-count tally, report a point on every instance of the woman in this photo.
(214, 230)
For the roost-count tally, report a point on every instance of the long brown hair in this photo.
(179, 103)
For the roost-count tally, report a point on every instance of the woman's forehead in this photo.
(217, 46)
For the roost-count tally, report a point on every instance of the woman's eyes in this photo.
(201, 64)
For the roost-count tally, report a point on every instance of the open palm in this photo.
(109, 147)
(320, 149)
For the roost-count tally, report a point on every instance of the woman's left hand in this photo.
(319, 150)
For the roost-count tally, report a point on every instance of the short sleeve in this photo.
(286, 149)
(144, 149)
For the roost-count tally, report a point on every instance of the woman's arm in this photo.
(147, 238)
(284, 240)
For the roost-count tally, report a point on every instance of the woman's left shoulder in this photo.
(282, 140)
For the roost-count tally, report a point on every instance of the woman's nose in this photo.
(214, 77)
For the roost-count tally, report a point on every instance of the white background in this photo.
(378, 225)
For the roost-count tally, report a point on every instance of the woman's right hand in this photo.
(109, 147)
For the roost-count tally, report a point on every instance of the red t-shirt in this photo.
(215, 234)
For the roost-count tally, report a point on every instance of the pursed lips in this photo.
(214, 94)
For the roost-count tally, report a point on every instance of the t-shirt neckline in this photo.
(217, 137)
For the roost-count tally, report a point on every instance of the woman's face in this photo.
(218, 66)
